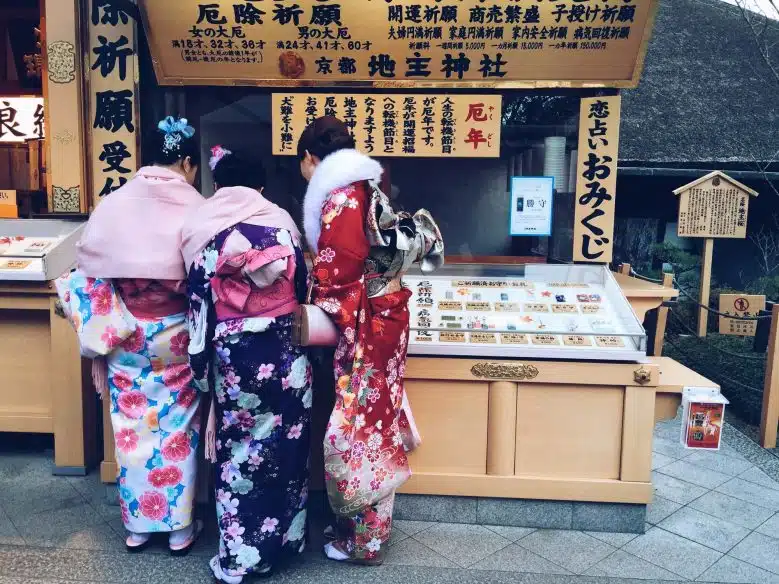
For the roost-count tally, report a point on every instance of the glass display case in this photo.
(538, 311)
(37, 250)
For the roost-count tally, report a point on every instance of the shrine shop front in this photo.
(531, 375)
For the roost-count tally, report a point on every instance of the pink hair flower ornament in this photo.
(217, 153)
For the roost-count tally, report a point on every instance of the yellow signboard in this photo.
(396, 124)
(596, 179)
(739, 305)
(8, 208)
(714, 206)
(113, 103)
(400, 43)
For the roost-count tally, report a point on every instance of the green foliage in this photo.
(768, 285)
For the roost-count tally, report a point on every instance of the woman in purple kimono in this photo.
(246, 277)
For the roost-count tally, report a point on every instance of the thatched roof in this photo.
(706, 96)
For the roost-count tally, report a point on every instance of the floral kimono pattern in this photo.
(364, 248)
(263, 394)
(154, 407)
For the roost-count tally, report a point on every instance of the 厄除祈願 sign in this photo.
(493, 43)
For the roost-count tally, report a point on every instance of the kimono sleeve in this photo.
(201, 317)
(97, 313)
(339, 266)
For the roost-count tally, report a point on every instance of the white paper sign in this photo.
(531, 205)
(21, 118)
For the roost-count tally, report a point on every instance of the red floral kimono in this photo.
(363, 248)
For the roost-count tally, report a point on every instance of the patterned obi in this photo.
(398, 240)
(255, 283)
(152, 299)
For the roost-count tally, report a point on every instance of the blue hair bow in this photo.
(172, 126)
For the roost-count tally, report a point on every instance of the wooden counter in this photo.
(45, 387)
(570, 431)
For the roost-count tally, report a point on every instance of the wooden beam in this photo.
(703, 313)
(769, 419)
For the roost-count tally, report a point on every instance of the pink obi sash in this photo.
(250, 284)
(152, 299)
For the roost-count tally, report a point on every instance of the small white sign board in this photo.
(531, 205)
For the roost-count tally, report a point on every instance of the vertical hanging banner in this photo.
(113, 93)
(64, 107)
(396, 125)
(596, 179)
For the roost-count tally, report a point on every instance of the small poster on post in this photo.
(531, 205)
(703, 418)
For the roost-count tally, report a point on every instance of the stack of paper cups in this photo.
(572, 171)
(555, 163)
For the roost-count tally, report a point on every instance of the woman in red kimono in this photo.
(361, 249)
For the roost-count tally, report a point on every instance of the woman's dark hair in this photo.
(234, 170)
(324, 136)
(165, 148)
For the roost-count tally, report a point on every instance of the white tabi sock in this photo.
(334, 553)
(180, 536)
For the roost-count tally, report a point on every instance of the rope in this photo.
(724, 351)
(713, 374)
(717, 312)
(645, 278)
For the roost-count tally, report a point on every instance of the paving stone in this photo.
(573, 550)
(705, 529)
(757, 476)
(621, 564)
(673, 552)
(731, 509)
(676, 490)
(670, 448)
(720, 461)
(20, 499)
(9, 535)
(770, 527)
(52, 525)
(514, 558)
(465, 545)
(96, 537)
(752, 493)
(412, 527)
(697, 475)
(434, 508)
(659, 509)
(616, 540)
(413, 553)
(526, 513)
(512, 534)
(759, 550)
(733, 571)
(661, 460)
(609, 517)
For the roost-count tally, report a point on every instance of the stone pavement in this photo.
(715, 518)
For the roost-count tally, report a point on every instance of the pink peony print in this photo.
(176, 447)
(110, 337)
(122, 381)
(126, 440)
(135, 341)
(295, 432)
(132, 404)
(100, 300)
(153, 505)
(170, 476)
(327, 255)
(269, 525)
(186, 397)
(265, 371)
(179, 344)
(177, 376)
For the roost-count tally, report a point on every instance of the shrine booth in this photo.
(531, 374)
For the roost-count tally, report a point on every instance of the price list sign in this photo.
(488, 43)
(396, 125)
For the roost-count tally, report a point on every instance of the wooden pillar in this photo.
(502, 428)
(662, 319)
(770, 414)
(637, 429)
(63, 94)
(75, 411)
(624, 269)
(703, 313)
